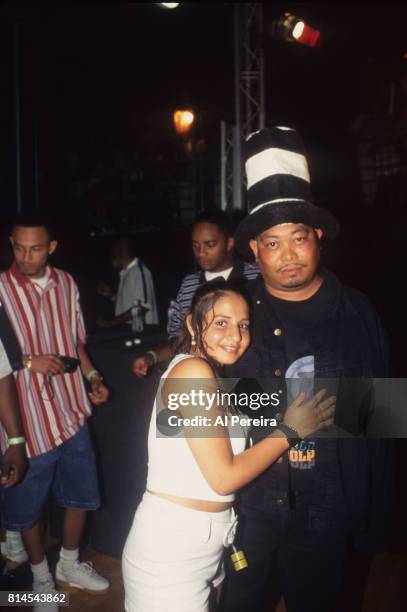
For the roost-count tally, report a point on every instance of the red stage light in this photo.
(294, 29)
(305, 35)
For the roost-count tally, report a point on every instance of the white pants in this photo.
(172, 556)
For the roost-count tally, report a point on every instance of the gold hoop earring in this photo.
(193, 342)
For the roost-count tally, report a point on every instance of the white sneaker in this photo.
(45, 587)
(81, 576)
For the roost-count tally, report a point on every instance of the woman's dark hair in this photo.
(203, 302)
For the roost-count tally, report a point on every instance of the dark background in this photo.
(98, 85)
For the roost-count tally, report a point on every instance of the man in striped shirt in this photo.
(42, 304)
(212, 245)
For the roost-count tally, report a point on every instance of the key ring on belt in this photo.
(229, 536)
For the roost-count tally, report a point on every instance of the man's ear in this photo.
(52, 246)
(319, 232)
(11, 240)
(254, 247)
(230, 243)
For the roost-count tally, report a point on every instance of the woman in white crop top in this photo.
(173, 554)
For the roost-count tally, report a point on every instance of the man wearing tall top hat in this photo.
(327, 492)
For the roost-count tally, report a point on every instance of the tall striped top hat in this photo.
(278, 185)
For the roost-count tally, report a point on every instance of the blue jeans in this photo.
(307, 546)
(69, 471)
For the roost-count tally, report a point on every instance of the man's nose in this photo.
(288, 251)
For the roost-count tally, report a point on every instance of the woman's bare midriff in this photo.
(195, 504)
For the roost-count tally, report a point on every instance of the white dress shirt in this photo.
(132, 289)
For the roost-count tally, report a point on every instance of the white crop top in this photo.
(172, 468)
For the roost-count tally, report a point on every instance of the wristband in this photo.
(28, 361)
(292, 436)
(153, 355)
(17, 440)
(92, 374)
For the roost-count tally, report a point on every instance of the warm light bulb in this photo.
(298, 29)
(183, 120)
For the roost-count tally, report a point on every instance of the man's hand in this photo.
(14, 465)
(49, 365)
(142, 364)
(100, 393)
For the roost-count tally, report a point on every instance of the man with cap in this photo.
(325, 492)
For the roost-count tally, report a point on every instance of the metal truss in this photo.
(249, 100)
(250, 67)
(227, 135)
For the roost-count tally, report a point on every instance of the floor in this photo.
(386, 588)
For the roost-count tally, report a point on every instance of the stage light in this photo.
(168, 5)
(294, 29)
(298, 30)
(183, 120)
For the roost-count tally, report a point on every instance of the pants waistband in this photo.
(155, 501)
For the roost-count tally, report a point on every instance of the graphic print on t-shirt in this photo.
(300, 378)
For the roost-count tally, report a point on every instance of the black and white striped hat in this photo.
(278, 187)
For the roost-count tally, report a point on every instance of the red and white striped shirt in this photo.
(45, 321)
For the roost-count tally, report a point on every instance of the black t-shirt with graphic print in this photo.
(298, 319)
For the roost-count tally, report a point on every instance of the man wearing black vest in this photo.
(328, 491)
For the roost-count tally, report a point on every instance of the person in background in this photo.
(136, 287)
(14, 459)
(212, 245)
(42, 304)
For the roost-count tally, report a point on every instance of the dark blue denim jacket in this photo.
(354, 478)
